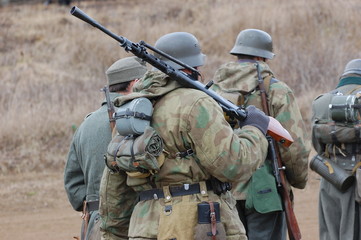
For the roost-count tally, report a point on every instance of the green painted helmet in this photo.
(353, 66)
(253, 42)
(183, 46)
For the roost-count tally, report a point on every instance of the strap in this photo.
(128, 113)
(352, 90)
(204, 190)
(263, 93)
(188, 152)
(167, 200)
(329, 166)
(135, 164)
(267, 83)
(85, 216)
(213, 220)
(93, 206)
(117, 149)
(356, 167)
(114, 167)
(333, 133)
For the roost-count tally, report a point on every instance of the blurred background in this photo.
(52, 67)
(52, 64)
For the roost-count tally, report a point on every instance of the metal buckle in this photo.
(167, 210)
(190, 152)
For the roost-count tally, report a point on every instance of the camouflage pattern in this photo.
(190, 119)
(116, 205)
(237, 82)
(339, 212)
(132, 153)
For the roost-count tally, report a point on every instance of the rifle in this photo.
(275, 129)
(110, 107)
(294, 232)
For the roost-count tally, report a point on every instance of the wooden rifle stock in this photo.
(294, 232)
(110, 108)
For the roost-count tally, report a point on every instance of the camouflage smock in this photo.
(189, 119)
(237, 80)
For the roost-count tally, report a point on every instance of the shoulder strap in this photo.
(264, 86)
(267, 83)
(352, 90)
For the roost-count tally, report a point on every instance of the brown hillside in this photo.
(52, 64)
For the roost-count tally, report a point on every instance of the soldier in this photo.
(198, 145)
(85, 164)
(258, 204)
(336, 138)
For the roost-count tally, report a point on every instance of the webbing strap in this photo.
(128, 113)
(213, 220)
(356, 167)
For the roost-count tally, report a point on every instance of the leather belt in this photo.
(175, 191)
(92, 206)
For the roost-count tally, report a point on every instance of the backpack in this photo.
(136, 148)
(337, 117)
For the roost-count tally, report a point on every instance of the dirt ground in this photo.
(35, 206)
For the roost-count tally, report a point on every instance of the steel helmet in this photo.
(353, 66)
(183, 46)
(253, 42)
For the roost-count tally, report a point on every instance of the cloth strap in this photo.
(128, 113)
(92, 206)
(213, 221)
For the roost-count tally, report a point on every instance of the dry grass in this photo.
(52, 64)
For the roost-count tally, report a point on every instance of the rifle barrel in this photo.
(275, 129)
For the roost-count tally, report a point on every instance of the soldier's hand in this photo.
(256, 118)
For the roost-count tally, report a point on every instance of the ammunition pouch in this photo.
(177, 218)
(209, 222)
(332, 172)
